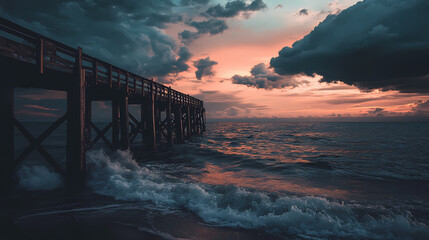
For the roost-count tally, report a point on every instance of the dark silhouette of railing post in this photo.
(75, 160)
(7, 146)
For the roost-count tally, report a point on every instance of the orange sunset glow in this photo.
(233, 45)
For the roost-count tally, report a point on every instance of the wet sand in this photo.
(57, 215)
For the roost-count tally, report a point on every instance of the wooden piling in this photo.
(88, 119)
(125, 124)
(194, 121)
(143, 119)
(115, 123)
(178, 123)
(204, 120)
(150, 121)
(7, 146)
(75, 160)
(169, 120)
(158, 129)
(188, 121)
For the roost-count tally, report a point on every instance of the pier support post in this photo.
(88, 119)
(169, 120)
(143, 119)
(115, 123)
(150, 138)
(178, 123)
(158, 129)
(75, 161)
(198, 120)
(194, 121)
(7, 143)
(188, 121)
(125, 124)
(204, 120)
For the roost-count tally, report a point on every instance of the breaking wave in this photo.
(118, 175)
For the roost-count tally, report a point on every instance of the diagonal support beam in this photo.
(35, 143)
(101, 135)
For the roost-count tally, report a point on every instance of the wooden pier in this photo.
(30, 60)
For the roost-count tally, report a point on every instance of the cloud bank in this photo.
(381, 44)
(235, 8)
(214, 25)
(262, 77)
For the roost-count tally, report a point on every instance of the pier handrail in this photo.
(49, 53)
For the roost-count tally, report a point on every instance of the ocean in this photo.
(253, 180)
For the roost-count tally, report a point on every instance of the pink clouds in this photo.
(37, 107)
(45, 94)
(35, 113)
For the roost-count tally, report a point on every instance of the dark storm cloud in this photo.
(194, 2)
(262, 77)
(204, 67)
(126, 33)
(212, 26)
(373, 45)
(234, 8)
(303, 12)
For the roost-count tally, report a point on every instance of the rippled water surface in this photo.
(292, 180)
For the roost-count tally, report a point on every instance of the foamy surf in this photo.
(38, 177)
(118, 175)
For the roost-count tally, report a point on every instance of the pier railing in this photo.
(25, 45)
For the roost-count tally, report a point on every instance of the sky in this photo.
(325, 59)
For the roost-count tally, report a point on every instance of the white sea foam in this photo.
(118, 175)
(38, 177)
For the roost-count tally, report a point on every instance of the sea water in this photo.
(291, 180)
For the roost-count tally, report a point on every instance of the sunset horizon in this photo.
(214, 119)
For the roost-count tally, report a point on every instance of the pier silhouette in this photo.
(31, 60)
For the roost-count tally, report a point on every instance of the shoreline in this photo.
(57, 215)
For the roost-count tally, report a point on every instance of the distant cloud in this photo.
(304, 12)
(378, 112)
(421, 108)
(36, 114)
(234, 8)
(212, 26)
(232, 111)
(279, 6)
(38, 94)
(38, 107)
(371, 45)
(221, 104)
(262, 77)
(204, 67)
